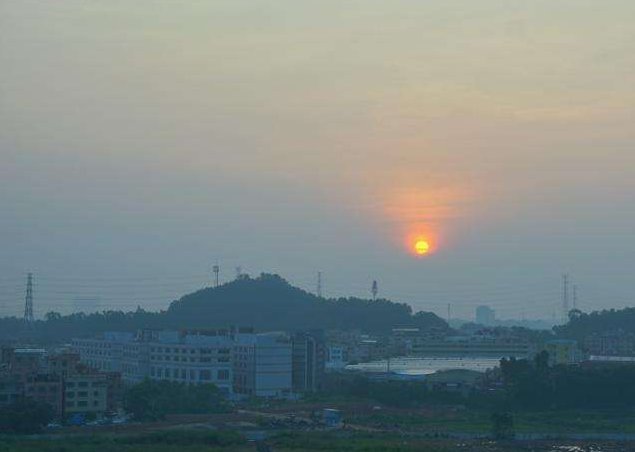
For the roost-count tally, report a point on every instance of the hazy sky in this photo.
(142, 141)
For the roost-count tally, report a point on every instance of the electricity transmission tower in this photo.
(565, 298)
(374, 289)
(28, 302)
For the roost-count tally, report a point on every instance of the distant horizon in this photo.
(128, 306)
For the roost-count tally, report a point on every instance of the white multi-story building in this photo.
(192, 358)
(103, 353)
(263, 364)
(186, 357)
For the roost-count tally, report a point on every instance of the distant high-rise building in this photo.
(485, 315)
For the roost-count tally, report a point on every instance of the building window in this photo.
(205, 375)
(82, 394)
(223, 374)
(82, 403)
(70, 395)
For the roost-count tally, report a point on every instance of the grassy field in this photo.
(164, 441)
(382, 442)
(475, 422)
(323, 441)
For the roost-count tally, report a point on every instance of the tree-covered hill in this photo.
(267, 302)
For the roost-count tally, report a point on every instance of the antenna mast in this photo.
(216, 270)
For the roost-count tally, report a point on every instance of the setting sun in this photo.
(422, 247)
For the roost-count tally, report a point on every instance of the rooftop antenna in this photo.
(565, 298)
(28, 302)
(216, 270)
(374, 289)
(319, 284)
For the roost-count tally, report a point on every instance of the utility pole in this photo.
(216, 270)
(374, 289)
(319, 284)
(28, 302)
(565, 298)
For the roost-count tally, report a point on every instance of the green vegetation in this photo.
(402, 394)
(581, 325)
(502, 426)
(480, 422)
(152, 400)
(25, 417)
(163, 441)
(267, 302)
(536, 386)
(354, 442)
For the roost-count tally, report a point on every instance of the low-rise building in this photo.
(468, 346)
(337, 357)
(47, 389)
(610, 343)
(63, 364)
(86, 393)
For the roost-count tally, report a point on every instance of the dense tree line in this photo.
(530, 385)
(153, 400)
(535, 385)
(267, 302)
(580, 325)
